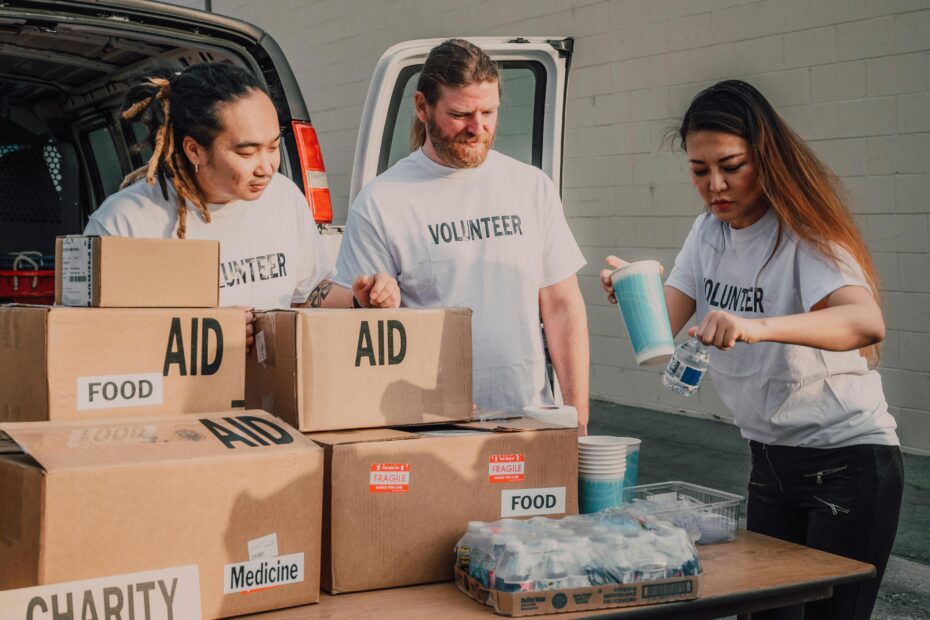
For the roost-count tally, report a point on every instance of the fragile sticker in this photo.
(263, 574)
(506, 468)
(389, 478)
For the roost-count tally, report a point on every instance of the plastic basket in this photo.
(715, 514)
(27, 286)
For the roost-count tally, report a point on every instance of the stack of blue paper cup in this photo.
(601, 470)
(631, 478)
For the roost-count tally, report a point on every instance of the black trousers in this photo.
(844, 501)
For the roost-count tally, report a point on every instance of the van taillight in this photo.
(316, 187)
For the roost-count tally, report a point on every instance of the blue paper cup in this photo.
(638, 288)
(595, 495)
(631, 477)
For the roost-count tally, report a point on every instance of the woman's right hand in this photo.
(615, 263)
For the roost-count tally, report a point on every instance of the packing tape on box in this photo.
(563, 415)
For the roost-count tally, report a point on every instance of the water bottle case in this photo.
(538, 602)
(583, 562)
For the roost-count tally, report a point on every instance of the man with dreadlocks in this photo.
(215, 138)
(462, 225)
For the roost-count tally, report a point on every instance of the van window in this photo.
(520, 129)
(106, 160)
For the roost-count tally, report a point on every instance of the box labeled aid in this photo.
(338, 369)
(90, 363)
(236, 495)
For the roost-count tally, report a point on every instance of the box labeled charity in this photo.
(61, 363)
(134, 272)
(546, 565)
(236, 494)
(340, 369)
(397, 499)
(151, 595)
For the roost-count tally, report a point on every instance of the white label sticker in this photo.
(260, 351)
(76, 271)
(262, 574)
(530, 502)
(154, 595)
(264, 548)
(107, 392)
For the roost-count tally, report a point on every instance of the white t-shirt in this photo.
(486, 238)
(271, 253)
(781, 394)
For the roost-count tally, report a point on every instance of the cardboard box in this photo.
(516, 604)
(396, 501)
(132, 272)
(338, 369)
(237, 494)
(91, 363)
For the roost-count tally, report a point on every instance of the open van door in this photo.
(534, 78)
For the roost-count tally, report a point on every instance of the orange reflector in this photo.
(316, 186)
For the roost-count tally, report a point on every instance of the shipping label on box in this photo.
(336, 369)
(398, 499)
(237, 494)
(77, 271)
(73, 363)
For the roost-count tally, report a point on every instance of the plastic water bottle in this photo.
(466, 545)
(686, 368)
(514, 567)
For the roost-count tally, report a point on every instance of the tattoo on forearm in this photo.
(319, 294)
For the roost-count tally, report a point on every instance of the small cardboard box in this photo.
(534, 603)
(396, 501)
(236, 494)
(132, 272)
(91, 363)
(338, 369)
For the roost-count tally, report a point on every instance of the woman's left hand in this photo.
(722, 330)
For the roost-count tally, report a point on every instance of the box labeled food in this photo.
(91, 363)
(398, 499)
(538, 602)
(134, 272)
(339, 369)
(237, 494)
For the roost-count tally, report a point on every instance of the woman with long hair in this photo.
(215, 140)
(786, 294)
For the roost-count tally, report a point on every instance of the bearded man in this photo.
(459, 224)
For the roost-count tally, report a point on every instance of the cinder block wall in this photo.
(851, 76)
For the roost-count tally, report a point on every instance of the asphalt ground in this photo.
(712, 454)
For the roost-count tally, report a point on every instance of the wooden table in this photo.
(754, 572)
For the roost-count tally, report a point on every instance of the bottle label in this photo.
(681, 373)
(691, 377)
